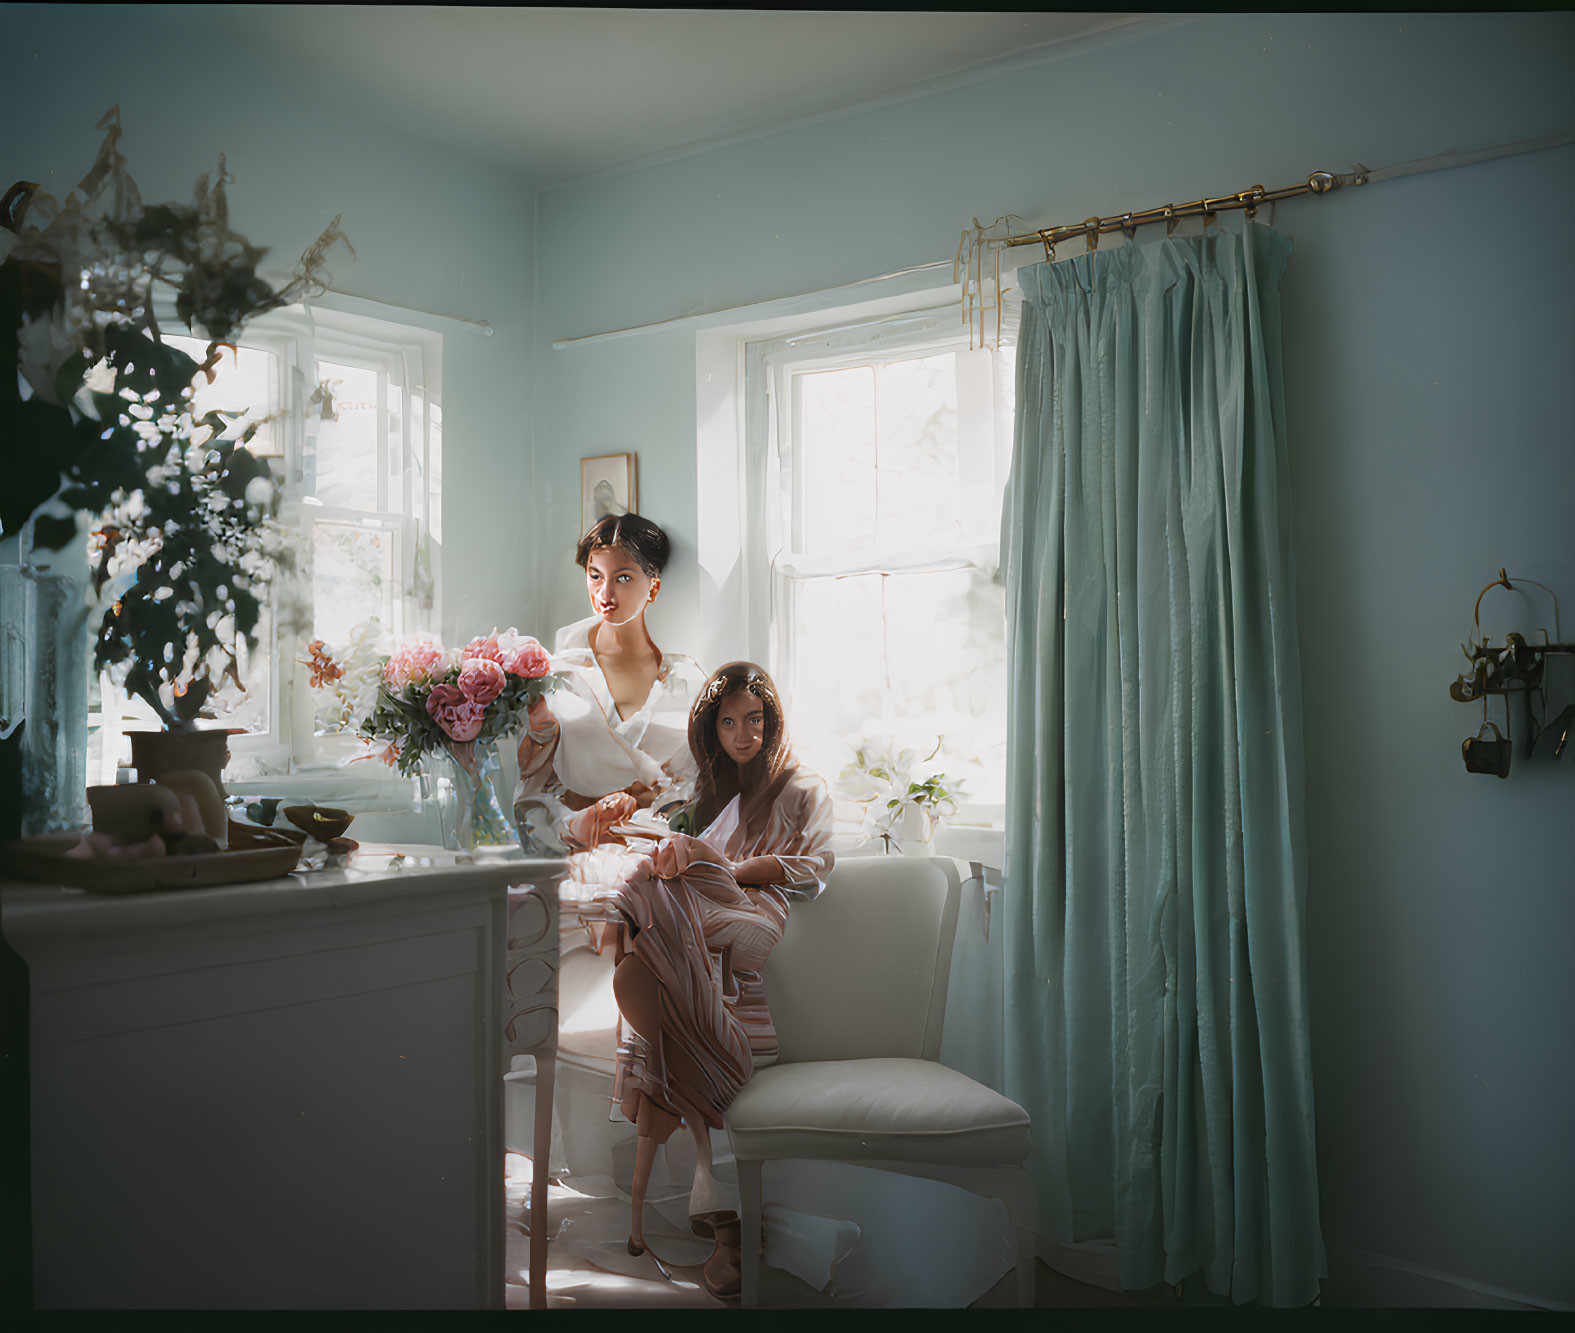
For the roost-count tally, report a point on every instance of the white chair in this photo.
(857, 990)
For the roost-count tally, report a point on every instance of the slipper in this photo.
(704, 1224)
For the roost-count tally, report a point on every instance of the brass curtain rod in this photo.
(974, 243)
(1320, 182)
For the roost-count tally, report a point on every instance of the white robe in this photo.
(596, 750)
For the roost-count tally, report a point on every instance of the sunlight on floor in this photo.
(589, 1265)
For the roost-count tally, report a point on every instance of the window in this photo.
(351, 424)
(886, 453)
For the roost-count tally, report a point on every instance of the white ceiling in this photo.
(560, 94)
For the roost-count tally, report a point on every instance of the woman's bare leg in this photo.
(702, 1194)
(637, 991)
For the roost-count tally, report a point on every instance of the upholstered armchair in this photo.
(857, 990)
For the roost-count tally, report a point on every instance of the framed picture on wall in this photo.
(607, 486)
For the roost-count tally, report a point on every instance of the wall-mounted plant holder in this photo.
(1518, 666)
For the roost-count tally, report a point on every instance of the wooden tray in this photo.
(43, 859)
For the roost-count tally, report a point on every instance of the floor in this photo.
(589, 1268)
(588, 1216)
(588, 1264)
(588, 1203)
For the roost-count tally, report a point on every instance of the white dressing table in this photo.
(286, 1094)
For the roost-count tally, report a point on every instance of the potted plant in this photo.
(900, 809)
(99, 412)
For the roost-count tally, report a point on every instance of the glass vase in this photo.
(54, 613)
(469, 805)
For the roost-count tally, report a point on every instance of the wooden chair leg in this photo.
(541, 1145)
(753, 1233)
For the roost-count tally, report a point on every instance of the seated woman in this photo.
(618, 726)
(701, 915)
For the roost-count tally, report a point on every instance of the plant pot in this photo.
(206, 749)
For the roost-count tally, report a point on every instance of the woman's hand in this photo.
(591, 825)
(675, 854)
(758, 870)
(541, 719)
(671, 857)
(541, 729)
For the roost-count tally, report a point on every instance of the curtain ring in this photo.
(1091, 232)
(1170, 219)
(1044, 235)
(1128, 227)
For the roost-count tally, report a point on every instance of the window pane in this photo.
(837, 437)
(920, 657)
(838, 666)
(345, 412)
(897, 460)
(434, 413)
(352, 578)
(919, 482)
(946, 659)
(251, 709)
(245, 380)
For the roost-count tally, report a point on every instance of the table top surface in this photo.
(374, 874)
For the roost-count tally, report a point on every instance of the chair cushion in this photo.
(871, 1110)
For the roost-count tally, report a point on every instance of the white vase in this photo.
(914, 831)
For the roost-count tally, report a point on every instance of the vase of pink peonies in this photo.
(441, 713)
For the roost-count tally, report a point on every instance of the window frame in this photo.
(302, 336)
(770, 537)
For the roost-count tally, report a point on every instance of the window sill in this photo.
(983, 843)
(358, 793)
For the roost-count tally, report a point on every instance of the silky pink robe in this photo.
(687, 927)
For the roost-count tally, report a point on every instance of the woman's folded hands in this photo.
(592, 825)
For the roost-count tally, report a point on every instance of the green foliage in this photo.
(180, 505)
(932, 792)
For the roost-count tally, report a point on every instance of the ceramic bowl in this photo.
(319, 821)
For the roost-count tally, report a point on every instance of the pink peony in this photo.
(481, 679)
(485, 646)
(414, 663)
(528, 658)
(459, 717)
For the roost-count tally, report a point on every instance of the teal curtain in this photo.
(1156, 993)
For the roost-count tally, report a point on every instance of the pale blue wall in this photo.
(433, 229)
(1441, 905)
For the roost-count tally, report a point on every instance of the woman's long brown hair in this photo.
(721, 778)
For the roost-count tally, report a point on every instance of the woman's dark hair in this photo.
(640, 537)
(721, 777)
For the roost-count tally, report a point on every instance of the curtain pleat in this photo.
(1156, 870)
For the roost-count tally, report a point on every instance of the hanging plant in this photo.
(98, 420)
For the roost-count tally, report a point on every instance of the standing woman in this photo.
(614, 739)
(701, 915)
